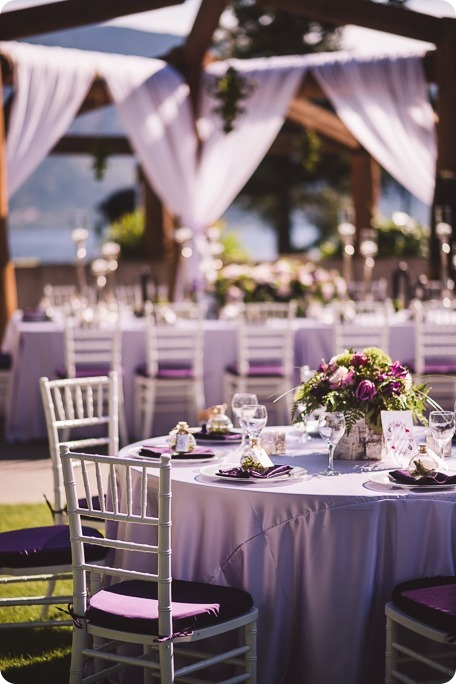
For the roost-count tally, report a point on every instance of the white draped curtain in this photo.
(382, 100)
(50, 86)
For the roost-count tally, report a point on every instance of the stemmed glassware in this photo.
(331, 426)
(239, 400)
(254, 418)
(442, 425)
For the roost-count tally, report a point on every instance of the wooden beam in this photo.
(89, 144)
(324, 122)
(57, 16)
(8, 291)
(190, 57)
(373, 15)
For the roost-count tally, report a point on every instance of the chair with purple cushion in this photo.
(435, 346)
(94, 347)
(171, 380)
(435, 351)
(265, 357)
(37, 555)
(421, 609)
(161, 614)
(87, 406)
(361, 324)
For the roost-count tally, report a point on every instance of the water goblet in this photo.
(331, 426)
(239, 400)
(442, 425)
(254, 418)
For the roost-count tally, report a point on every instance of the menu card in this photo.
(399, 438)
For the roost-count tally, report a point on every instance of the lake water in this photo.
(53, 245)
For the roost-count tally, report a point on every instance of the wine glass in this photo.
(239, 400)
(331, 426)
(442, 425)
(254, 418)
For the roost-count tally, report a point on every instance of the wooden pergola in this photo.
(189, 58)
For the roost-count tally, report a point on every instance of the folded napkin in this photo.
(404, 477)
(156, 452)
(218, 436)
(268, 473)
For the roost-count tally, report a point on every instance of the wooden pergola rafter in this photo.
(194, 53)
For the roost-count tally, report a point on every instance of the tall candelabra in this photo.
(368, 249)
(110, 251)
(444, 231)
(347, 232)
(79, 236)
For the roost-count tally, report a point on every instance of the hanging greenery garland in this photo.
(230, 89)
(309, 150)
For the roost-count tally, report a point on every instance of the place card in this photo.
(399, 438)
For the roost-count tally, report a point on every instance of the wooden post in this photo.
(445, 187)
(8, 292)
(365, 179)
(159, 243)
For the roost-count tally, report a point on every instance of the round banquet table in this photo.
(320, 555)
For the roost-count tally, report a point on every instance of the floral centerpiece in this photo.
(282, 280)
(362, 384)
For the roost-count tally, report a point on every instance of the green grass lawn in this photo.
(31, 655)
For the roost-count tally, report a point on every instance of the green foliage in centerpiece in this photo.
(362, 384)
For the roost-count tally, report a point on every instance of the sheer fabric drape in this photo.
(50, 88)
(384, 102)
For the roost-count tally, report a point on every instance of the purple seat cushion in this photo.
(84, 372)
(429, 599)
(177, 372)
(40, 546)
(6, 360)
(133, 607)
(258, 370)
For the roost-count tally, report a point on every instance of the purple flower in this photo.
(358, 360)
(394, 387)
(398, 370)
(365, 390)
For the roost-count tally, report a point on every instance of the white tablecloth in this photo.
(38, 351)
(319, 555)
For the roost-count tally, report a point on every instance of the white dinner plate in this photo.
(211, 470)
(382, 477)
(134, 451)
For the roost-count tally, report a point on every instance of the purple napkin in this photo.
(242, 473)
(34, 316)
(404, 477)
(218, 436)
(156, 452)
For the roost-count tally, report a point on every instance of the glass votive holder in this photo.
(273, 442)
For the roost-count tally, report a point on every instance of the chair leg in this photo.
(166, 651)
(77, 659)
(251, 656)
(390, 653)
